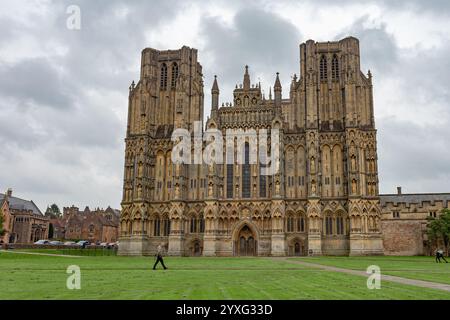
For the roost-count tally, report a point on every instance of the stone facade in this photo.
(24, 222)
(323, 200)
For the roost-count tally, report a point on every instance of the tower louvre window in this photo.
(174, 75)
(335, 68)
(163, 83)
(323, 68)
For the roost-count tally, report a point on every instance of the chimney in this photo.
(399, 191)
(9, 192)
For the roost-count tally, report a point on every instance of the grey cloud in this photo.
(413, 156)
(34, 81)
(378, 49)
(262, 40)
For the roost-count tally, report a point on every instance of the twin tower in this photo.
(324, 198)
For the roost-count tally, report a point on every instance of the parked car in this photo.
(56, 243)
(104, 244)
(42, 242)
(83, 243)
(70, 243)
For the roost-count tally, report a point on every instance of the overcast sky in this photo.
(63, 93)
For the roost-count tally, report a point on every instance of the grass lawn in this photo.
(25, 276)
(421, 268)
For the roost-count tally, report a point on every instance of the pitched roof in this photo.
(21, 204)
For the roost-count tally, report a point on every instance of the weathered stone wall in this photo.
(402, 237)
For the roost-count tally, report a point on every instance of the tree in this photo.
(53, 211)
(50, 231)
(439, 228)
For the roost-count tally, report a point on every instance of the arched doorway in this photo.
(245, 244)
(196, 250)
(297, 247)
(297, 251)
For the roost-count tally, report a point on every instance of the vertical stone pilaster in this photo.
(313, 212)
(176, 236)
(210, 235)
(278, 238)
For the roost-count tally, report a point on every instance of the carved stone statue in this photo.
(353, 163)
(313, 187)
(210, 190)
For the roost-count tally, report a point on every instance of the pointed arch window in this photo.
(335, 68)
(202, 224)
(193, 225)
(174, 75)
(163, 82)
(230, 168)
(340, 225)
(323, 68)
(329, 225)
(246, 172)
(262, 182)
(157, 227)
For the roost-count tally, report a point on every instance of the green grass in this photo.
(44, 277)
(421, 268)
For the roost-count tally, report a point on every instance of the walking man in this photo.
(439, 255)
(159, 257)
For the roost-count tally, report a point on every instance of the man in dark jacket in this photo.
(439, 255)
(159, 257)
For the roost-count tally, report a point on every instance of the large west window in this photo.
(246, 172)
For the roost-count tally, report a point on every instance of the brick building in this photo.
(98, 225)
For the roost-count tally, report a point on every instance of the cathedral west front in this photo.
(323, 199)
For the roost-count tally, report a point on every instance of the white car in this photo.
(42, 242)
(70, 243)
(56, 243)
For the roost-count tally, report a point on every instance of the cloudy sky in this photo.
(63, 93)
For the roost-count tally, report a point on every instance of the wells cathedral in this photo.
(324, 200)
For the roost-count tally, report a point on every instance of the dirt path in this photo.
(413, 282)
(41, 254)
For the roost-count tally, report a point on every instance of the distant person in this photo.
(439, 255)
(159, 257)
